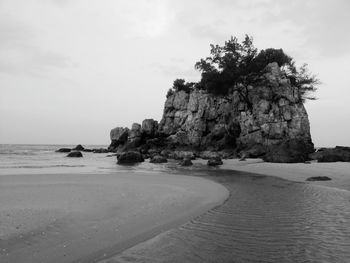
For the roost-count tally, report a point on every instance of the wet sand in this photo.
(87, 217)
(339, 172)
(265, 219)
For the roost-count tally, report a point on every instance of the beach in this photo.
(339, 172)
(84, 217)
(271, 215)
(243, 210)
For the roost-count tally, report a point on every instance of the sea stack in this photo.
(271, 123)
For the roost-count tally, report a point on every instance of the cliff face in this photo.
(271, 114)
(268, 119)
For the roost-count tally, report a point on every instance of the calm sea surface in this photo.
(19, 159)
(265, 219)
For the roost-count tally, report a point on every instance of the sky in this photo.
(71, 70)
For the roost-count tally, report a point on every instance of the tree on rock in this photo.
(234, 66)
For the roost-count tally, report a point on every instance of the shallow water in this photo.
(265, 219)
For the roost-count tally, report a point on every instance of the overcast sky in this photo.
(70, 70)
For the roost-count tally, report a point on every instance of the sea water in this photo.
(30, 159)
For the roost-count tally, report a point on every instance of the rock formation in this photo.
(269, 121)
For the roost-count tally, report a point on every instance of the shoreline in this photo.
(144, 227)
(87, 217)
(196, 240)
(339, 172)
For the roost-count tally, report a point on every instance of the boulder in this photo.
(79, 147)
(130, 157)
(214, 161)
(337, 154)
(318, 178)
(88, 150)
(118, 136)
(135, 131)
(149, 128)
(63, 150)
(289, 151)
(186, 162)
(75, 154)
(158, 159)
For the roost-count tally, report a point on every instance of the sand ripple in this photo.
(264, 220)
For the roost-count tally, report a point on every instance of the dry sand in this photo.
(85, 217)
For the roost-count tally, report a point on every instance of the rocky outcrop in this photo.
(149, 128)
(267, 118)
(119, 136)
(337, 154)
(271, 114)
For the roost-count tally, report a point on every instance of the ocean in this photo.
(33, 158)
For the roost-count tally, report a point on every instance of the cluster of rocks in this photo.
(270, 123)
(77, 151)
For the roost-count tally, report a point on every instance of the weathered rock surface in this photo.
(337, 154)
(75, 154)
(118, 136)
(130, 157)
(289, 151)
(149, 128)
(269, 121)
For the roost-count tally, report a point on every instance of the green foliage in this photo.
(235, 66)
(181, 84)
(305, 82)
